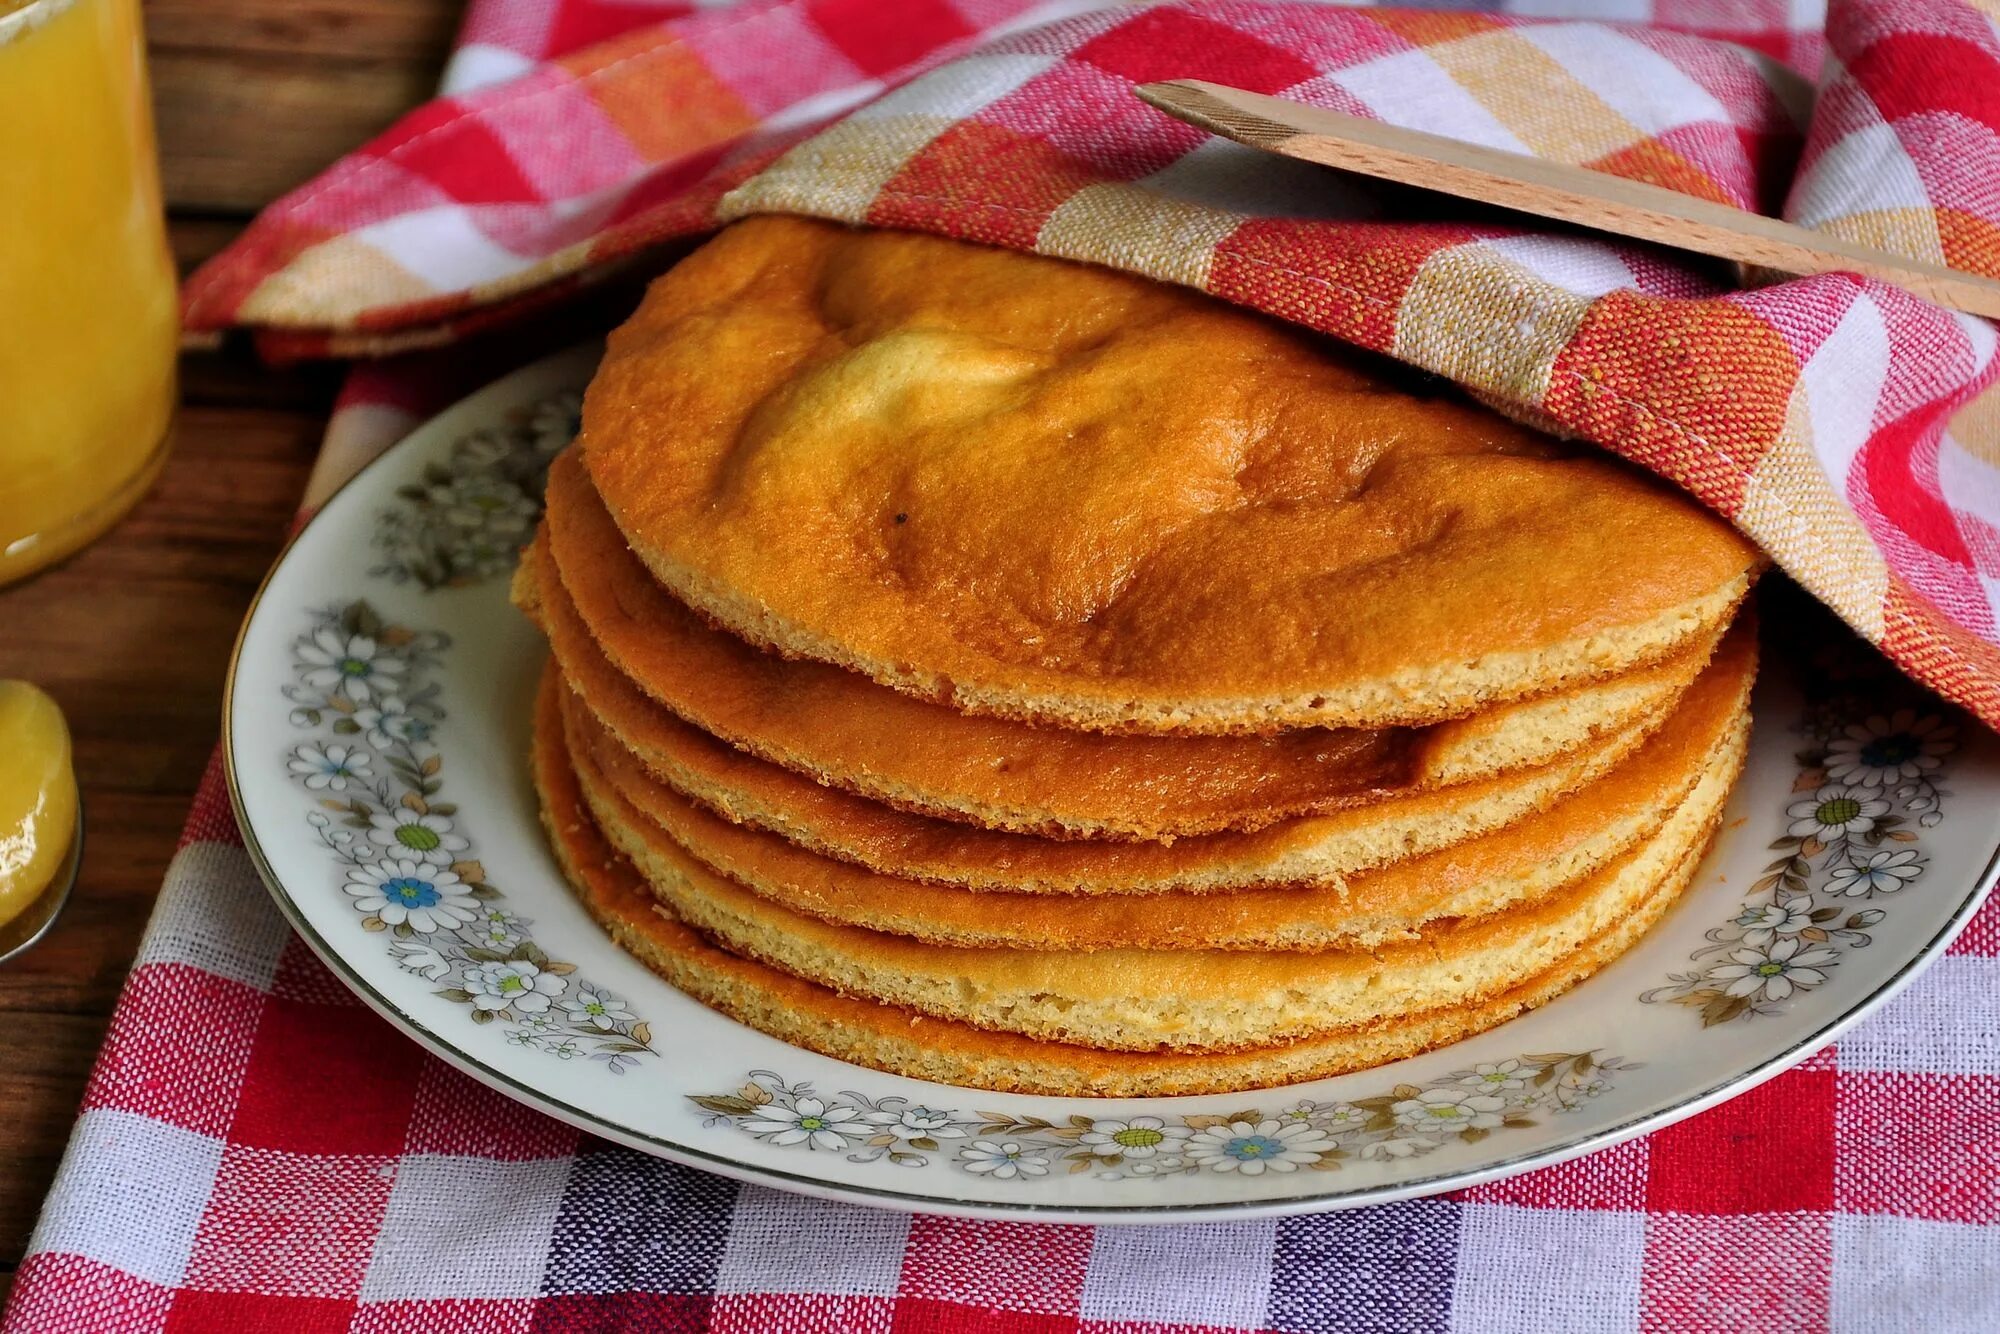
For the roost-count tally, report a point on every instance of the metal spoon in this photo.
(19, 935)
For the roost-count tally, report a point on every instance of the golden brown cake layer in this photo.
(1041, 490)
(1603, 818)
(607, 618)
(901, 1041)
(1147, 1000)
(1683, 773)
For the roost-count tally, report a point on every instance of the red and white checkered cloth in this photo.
(258, 1152)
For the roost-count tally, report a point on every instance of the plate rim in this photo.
(688, 1155)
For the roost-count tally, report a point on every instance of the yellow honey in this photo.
(37, 795)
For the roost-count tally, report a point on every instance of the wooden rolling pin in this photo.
(1552, 190)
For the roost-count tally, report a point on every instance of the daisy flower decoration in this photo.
(1887, 752)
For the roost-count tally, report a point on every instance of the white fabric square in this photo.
(1195, 1274)
(215, 914)
(477, 65)
(1843, 388)
(1947, 1022)
(1519, 1269)
(964, 86)
(1911, 1274)
(441, 246)
(1972, 483)
(1602, 11)
(130, 1194)
(1635, 81)
(1864, 169)
(1409, 89)
(1585, 268)
(853, 1251)
(465, 1227)
(821, 106)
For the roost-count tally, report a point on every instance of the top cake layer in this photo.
(1072, 496)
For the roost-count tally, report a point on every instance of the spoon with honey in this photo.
(41, 818)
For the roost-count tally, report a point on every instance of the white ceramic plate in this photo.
(382, 674)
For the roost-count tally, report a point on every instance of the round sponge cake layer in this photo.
(902, 1041)
(1040, 490)
(1146, 1000)
(610, 623)
(1687, 767)
(909, 846)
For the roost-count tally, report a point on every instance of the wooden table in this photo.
(133, 635)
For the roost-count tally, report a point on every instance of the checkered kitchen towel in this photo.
(1810, 412)
(259, 1152)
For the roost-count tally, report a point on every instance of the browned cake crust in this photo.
(1151, 1000)
(1042, 490)
(610, 623)
(1684, 773)
(891, 1038)
(908, 846)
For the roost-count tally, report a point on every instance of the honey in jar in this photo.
(88, 312)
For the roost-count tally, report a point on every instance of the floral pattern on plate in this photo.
(1407, 1121)
(465, 519)
(367, 714)
(489, 667)
(1863, 791)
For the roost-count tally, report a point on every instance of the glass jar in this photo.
(88, 306)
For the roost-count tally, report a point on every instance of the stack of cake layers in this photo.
(1022, 675)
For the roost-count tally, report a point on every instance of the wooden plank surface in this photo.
(133, 636)
(255, 96)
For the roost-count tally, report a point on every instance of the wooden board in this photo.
(254, 96)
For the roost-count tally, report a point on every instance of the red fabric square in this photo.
(288, 1223)
(1726, 1275)
(326, 1080)
(300, 976)
(1352, 284)
(1327, 41)
(992, 184)
(801, 1313)
(1656, 375)
(1911, 73)
(880, 38)
(1770, 1150)
(1920, 1146)
(1893, 463)
(1170, 44)
(1982, 933)
(212, 819)
(257, 1313)
(458, 154)
(579, 23)
(663, 187)
(924, 1315)
(1613, 1178)
(460, 1315)
(1002, 1266)
(58, 1291)
(179, 1043)
(456, 1115)
(1091, 116)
